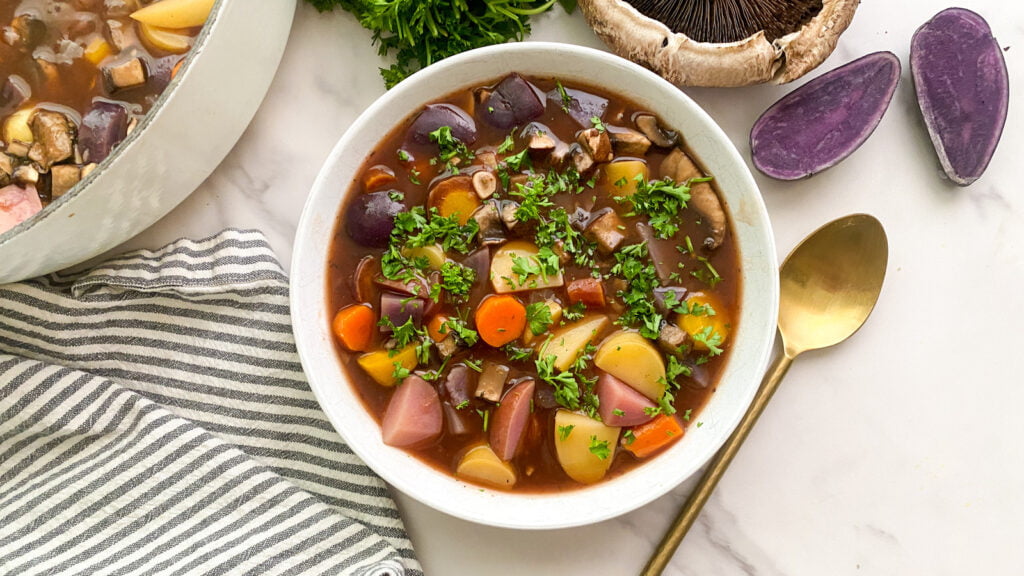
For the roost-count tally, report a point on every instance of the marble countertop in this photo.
(899, 452)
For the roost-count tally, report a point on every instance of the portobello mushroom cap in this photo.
(688, 47)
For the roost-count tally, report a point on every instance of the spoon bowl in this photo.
(828, 287)
(830, 282)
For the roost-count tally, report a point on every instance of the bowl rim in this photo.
(550, 510)
(124, 146)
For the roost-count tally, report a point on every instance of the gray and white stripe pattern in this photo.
(154, 419)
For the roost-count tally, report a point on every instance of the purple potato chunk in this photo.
(514, 102)
(371, 217)
(103, 127)
(399, 309)
(963, 90)
(580, 105)
(435, 116)
(822, 122)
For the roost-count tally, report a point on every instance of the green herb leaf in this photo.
(600, 449)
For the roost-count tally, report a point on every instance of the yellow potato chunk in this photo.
(434, 255)
(556, 317)
(380, 365)
(175, 13)
(567, 343)
(97, 50)
(481, 464)
(633, 359)
(708, 321)
(621, 176)
(585, 447)
(17, 128)
(505, 276)
(164, 39)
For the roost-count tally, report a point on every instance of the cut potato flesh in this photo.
(707, 322)
(567, 343)
(505, 280)
(622, 176)
(380, 365)
(164, 39)
(433, 253)
(175, 13)
(633, 359)
(481, 464)
(584, 446)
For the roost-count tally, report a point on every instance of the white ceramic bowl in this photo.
(752, 341)
(194, 124)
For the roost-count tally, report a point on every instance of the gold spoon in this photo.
(828, 286)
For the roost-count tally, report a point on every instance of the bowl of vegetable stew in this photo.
(534, 286)
(111, 113)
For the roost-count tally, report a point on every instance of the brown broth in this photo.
(537, 466)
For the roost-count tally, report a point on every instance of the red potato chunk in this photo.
(620, 404)
(510, 420)
(17, 204)
(413, 416)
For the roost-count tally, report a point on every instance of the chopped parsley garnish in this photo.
(619, 412)
(506, 145)
(600, 449)
(473, 365)
(596, 121)
(567, 391)
(633, 264)
(462, 405)
(628, 437)
(403, 155)
(538, 317)
(564, 96)
(516, 353)
(710, 339)
(661, 201)
(451, 150)
(457, 280)
(565, 431)
(401, 372)
(574, 312)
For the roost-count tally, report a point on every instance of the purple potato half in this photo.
(435, 116)
(822, 122)
(963, 90)
(371, 217)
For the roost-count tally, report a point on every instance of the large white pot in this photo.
(193, 125)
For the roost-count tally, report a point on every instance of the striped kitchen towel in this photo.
(154, 419)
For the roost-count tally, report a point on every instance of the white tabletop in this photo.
(898, 452)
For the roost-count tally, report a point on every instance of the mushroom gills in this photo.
(722, 21)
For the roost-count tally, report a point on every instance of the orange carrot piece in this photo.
(500, 319)
(436, 328)
(353, 327)
(653, 436)
(590, 291)
(378, 177)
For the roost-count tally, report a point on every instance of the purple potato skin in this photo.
(822, 122)
(514, 102)
(103, 127)
(963, 90)
(435, 116)
(371, 217)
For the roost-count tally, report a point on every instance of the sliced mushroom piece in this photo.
(447, 347)
(123, 75)
(54, 138)
(751, 42)
(488, 218)
(63, 178)
(25, 174)
(508, 214)
(485, 183)
(582, 162)
(651, 128)
(672, 339)
(628, 142)
(607, 231)
(492, 381)
(703, 198)
(597, 144)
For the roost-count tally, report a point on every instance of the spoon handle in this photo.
(700, 495)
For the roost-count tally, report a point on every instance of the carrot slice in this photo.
(436, 328)
(500, 319)
(653, 436)
(353, 327)
(589, 291)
